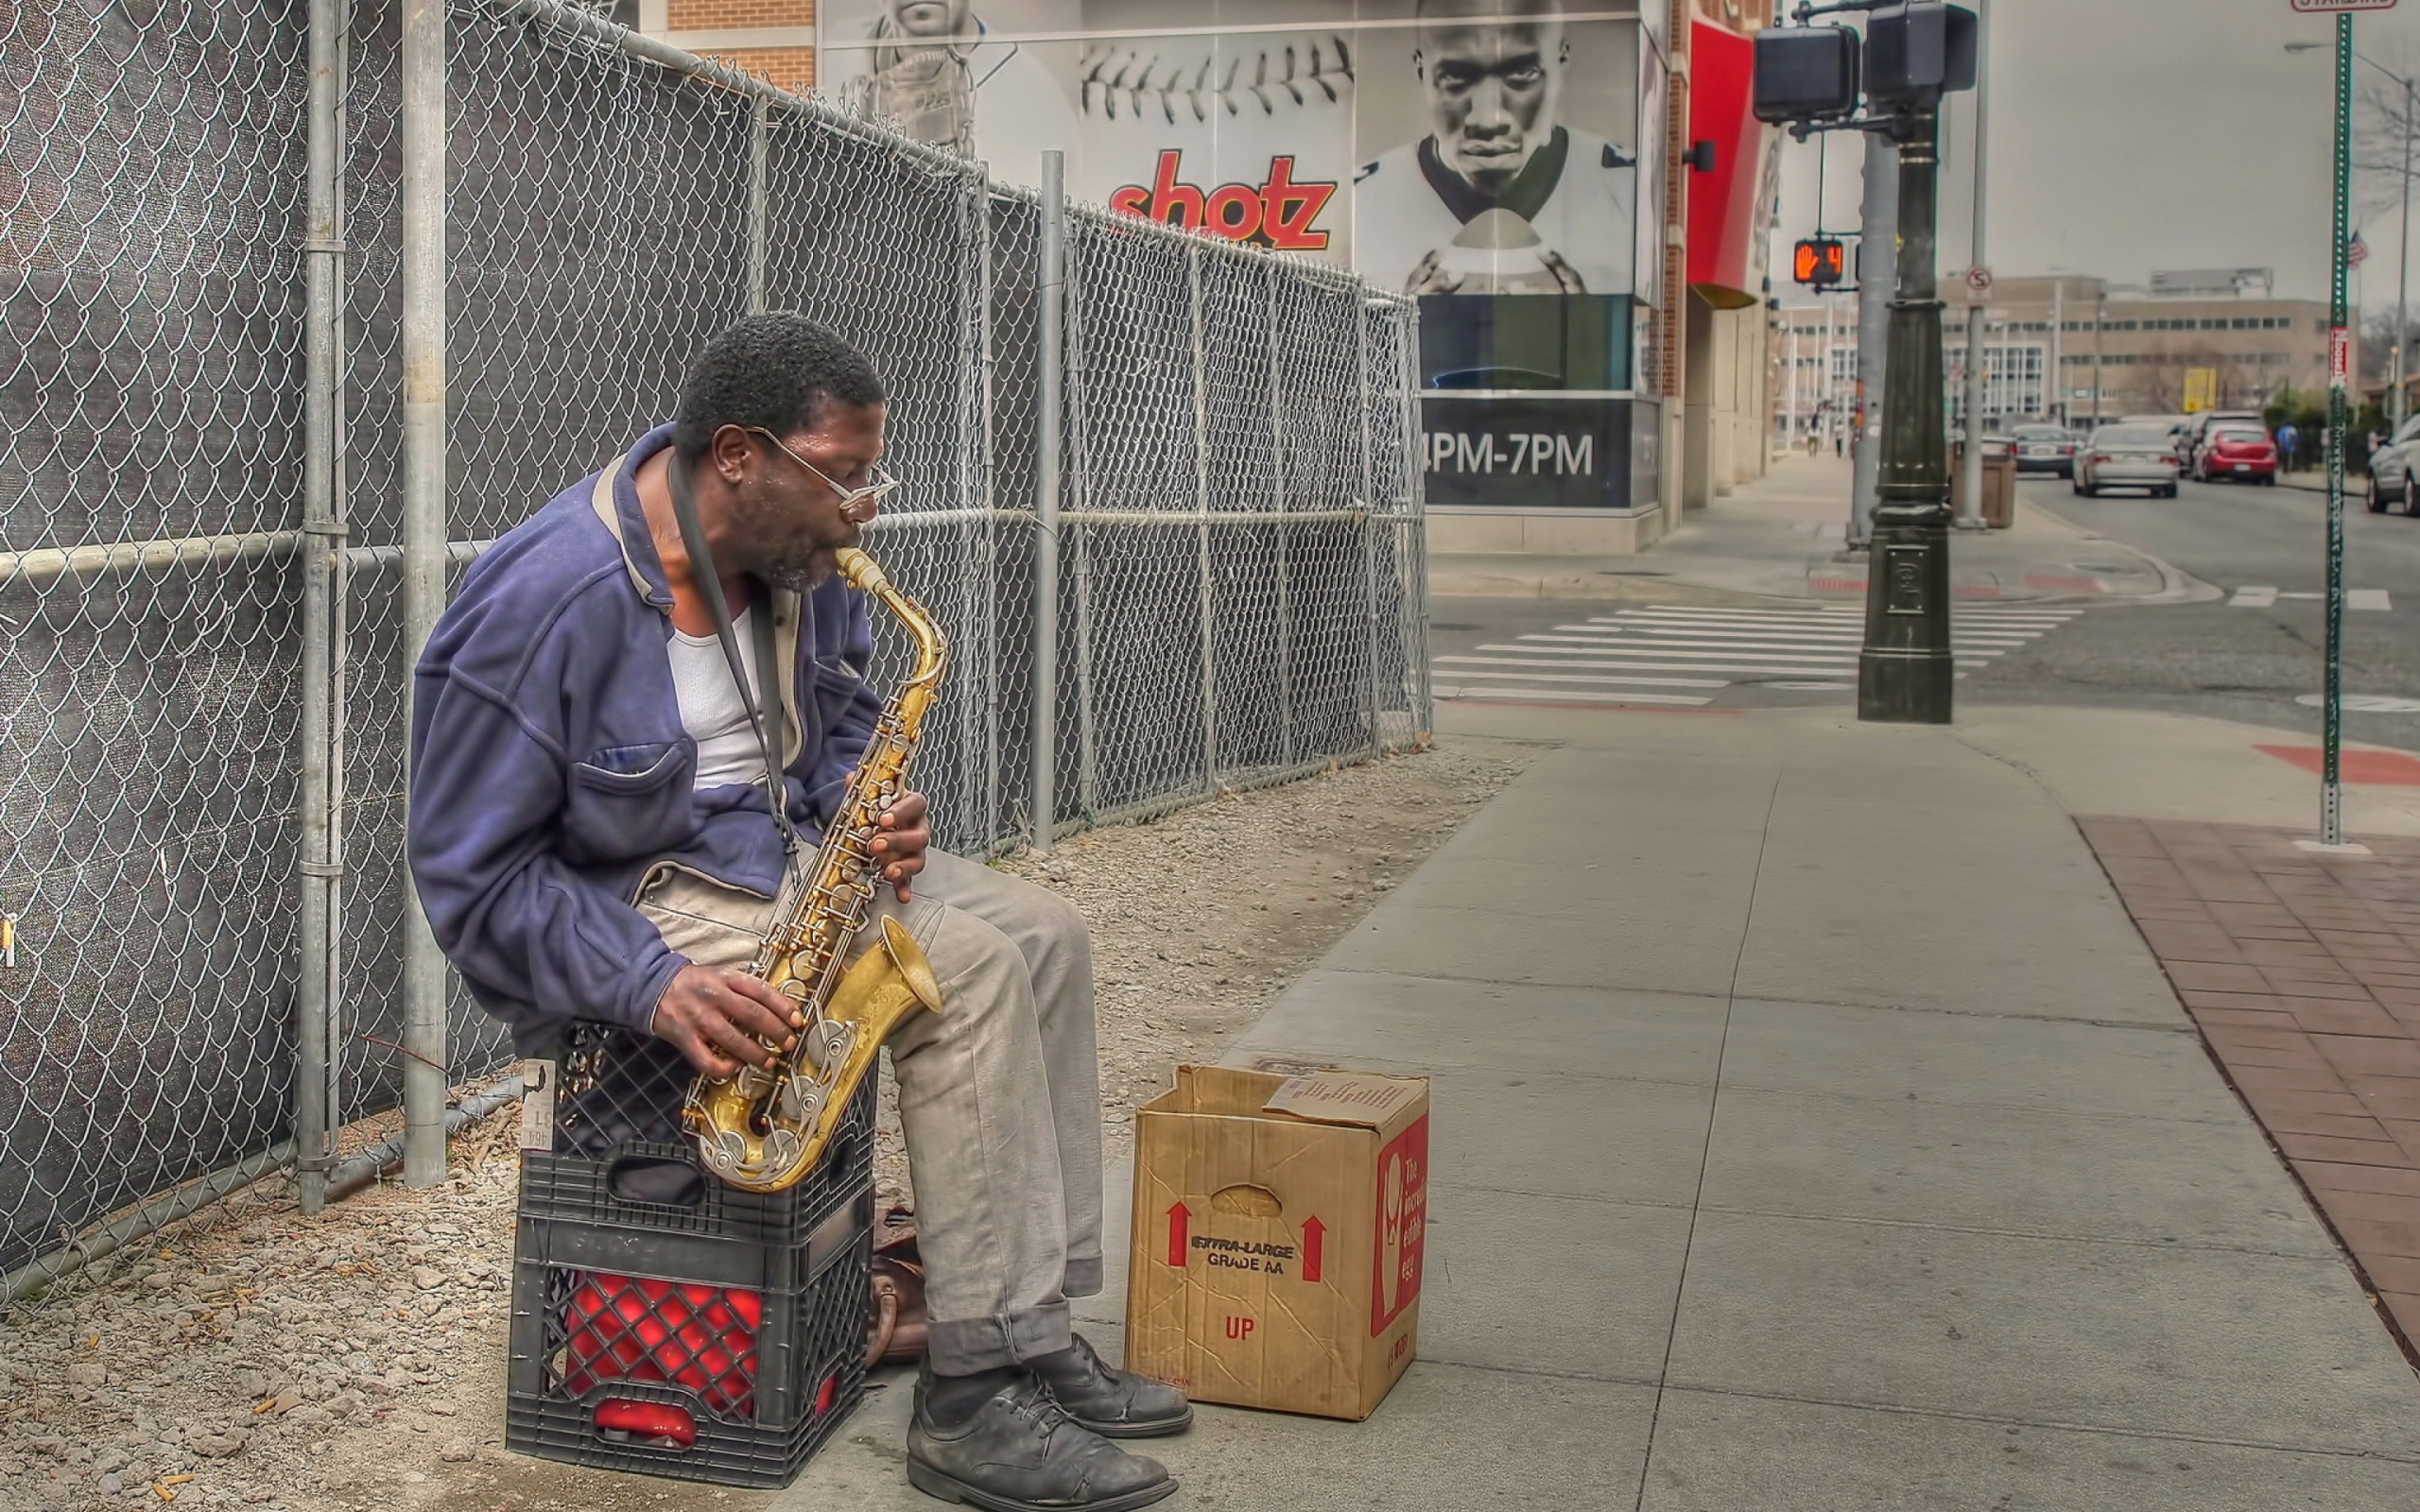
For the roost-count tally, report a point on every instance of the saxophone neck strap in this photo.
(766, 719)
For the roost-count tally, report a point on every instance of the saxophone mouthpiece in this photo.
(861, 571)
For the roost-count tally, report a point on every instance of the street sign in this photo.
(2311, 7)
(2340, 356)
(1980, 280)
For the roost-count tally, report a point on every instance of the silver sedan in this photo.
(2127, 457)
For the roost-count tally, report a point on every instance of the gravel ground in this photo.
(356, 1361)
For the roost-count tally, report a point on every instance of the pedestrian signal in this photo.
(1820, 261)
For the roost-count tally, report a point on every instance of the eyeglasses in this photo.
(877, 489)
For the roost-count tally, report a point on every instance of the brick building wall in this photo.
(771, 38)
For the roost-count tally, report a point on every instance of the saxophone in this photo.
(766, 1127)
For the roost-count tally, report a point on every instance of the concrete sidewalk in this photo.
(1781, 537)
(1814, 1130)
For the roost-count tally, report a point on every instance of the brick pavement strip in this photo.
(2302, 973)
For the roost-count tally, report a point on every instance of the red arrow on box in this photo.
(1314, 1239)
(1177, 1216)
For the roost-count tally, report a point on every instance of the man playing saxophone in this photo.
(592, 838)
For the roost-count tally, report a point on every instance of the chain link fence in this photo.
(206, 511)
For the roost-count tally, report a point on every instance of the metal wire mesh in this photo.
(1240, 596)
(151, 208)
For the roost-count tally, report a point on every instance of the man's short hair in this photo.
(778, 371)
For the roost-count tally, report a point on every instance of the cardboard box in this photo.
(1277, 1246)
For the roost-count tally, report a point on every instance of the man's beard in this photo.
(795, 578)
(782, 555)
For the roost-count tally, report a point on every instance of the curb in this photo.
(2176, 586)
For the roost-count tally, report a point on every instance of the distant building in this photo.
(2071, 348)
(1814, 368)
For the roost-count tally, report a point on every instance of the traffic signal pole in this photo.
(1905, 670)
(1970, 512)
(1878, 235)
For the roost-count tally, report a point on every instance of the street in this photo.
(2251, 655)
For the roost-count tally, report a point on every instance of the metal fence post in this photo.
(1202, 502)
(1412, 498)
(1285, 529)
(985, 496)
(318, 861)
(422, 206)
(1050, 280)
(1080, 540)
(1371, 520)
(759, 194)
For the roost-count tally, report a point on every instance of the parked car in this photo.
(2045, 449)
(2238, 451)
(2392, 466)
(2196, 436)
(2127, 457)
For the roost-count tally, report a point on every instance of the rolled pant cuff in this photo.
(1083, 1278)
(964, 1345)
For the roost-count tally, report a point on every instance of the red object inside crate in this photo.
(656, 1424)
(627, 1328)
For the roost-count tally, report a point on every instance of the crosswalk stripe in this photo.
(1844, 636)
(1852, 611)
(1555, 696)
(1770, 655)
(1735, 645)
(1610, 636)
(2264, 596)
(1804, 637)
(1826, 631)
(1794, 626)
(1631, 660)
(1465, 664)
(1813, 648)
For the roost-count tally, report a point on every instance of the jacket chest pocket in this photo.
(630, 801)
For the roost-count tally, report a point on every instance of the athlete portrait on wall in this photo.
(948, 74)
(1505, 193)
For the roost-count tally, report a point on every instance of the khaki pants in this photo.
(999, 1095)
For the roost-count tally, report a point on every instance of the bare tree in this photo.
(2162, 383)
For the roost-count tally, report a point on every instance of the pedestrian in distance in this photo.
(2289, 437)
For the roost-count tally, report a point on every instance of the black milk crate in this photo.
(685, 1356)
(619, 1155)
(665, 1323)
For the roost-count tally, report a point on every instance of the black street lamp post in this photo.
(1913, 53)
(1905, 670)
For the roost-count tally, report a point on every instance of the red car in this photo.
(2243, 453)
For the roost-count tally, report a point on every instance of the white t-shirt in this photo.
(1584, 217)
(711, 708)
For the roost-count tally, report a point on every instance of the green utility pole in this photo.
(2340, 421)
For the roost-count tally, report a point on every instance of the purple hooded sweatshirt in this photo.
(551, 773)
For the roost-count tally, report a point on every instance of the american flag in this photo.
(2356, 251)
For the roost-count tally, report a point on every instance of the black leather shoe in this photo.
(1113, 1403)
(1019, 1452)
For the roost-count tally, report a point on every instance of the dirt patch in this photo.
(356, 1361)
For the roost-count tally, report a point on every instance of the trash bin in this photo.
(1999, 481)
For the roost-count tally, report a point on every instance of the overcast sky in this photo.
(2128, 135)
